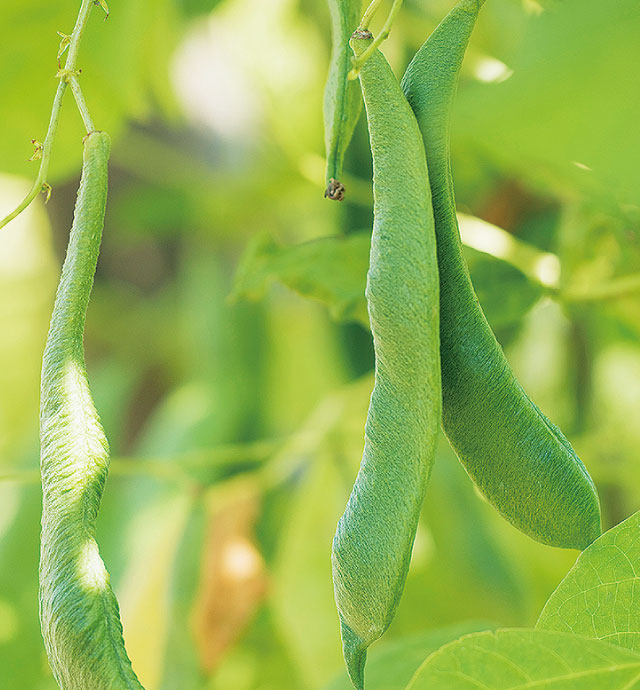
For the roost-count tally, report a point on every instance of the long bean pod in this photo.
(78, 610)
(342, 98)
(373, 543)
(521, 462)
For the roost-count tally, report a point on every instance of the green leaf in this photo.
(598, 596)
(518, 659)
(390, 665)
(331, 270)
(505, 293)
(329, 445)
(180, 662)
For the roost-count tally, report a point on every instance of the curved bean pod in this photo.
(521, 462)
(342, 99)
(373, 542)
(78, 610)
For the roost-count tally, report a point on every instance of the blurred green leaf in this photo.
(327, 450)
(302, 595)
(505, 293)
(195, 7)
(597, 598)
(510, 659)
(567, 117)
(181, 664)
(331, 270)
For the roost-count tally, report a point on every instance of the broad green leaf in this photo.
(329, 447)
(302, 596)
(153, 535)
(331, 270)
(181, 668)
(519, 659)
(598, 596)
(391, 665)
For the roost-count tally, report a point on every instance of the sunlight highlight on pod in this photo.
(85, 431)
(91, 571)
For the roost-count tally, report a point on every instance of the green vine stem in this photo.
(67, 76)
(383, 35)
(618, 288)
(74, 85)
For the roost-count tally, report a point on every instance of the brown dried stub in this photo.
(335, 190)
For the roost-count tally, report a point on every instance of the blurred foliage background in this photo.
(227, 340)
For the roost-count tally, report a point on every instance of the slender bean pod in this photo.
(342, 99)
(78, 610)
(373, 542)
(520, 461)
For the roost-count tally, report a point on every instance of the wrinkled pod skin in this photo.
(373, 542)
(78, 610)
(342, 98)
(519, 460)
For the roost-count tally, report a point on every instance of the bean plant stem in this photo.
(382, 36)
(66, 75)
(368, 15)
(74, 84)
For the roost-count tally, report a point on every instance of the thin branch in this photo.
(66, 75)
(616, 289)
(368, 15)
(382, 36)
(74, 85)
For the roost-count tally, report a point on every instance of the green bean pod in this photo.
(78, 610)
(342, 99)
(519, 460)
(373, 542)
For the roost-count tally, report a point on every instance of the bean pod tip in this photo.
(335, 190)
(355, 655)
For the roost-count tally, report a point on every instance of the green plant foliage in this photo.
(333, 271)
(597, 598)
(181, 665)
(562, 111)
(518, 659)
(505, 293)
(196, 7)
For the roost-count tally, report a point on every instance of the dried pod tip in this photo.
(335, 190)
